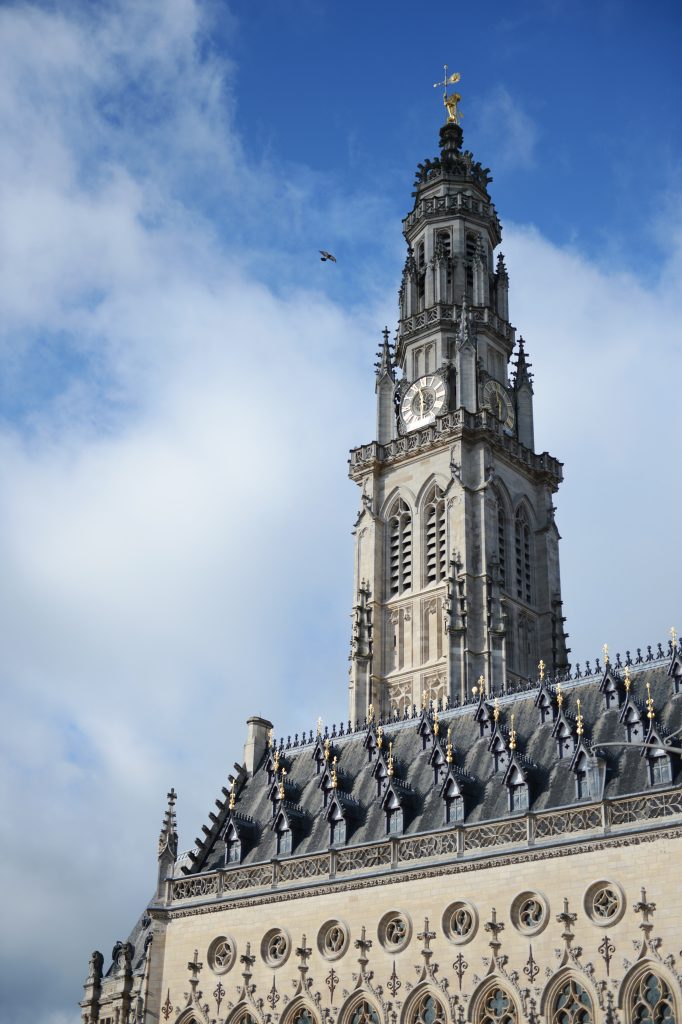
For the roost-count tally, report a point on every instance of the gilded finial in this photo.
(380, 736)
(628, 681)
(559, 696)
(281, 784)
(512, 735)
(269, 739)
(541, 669)
(448, 753)
(327, 744)
(496, 710)
(370, 714)
(436, 723)
(319, 726)
(334, 779)
(579, 725)
(649, 702)
(605, 652)
(481, 684)
(450, 100)
(233, 797)
(673, 637)
(390, 759)
(424, 700)
(275, 763)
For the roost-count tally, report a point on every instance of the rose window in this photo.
(275, 947)
(221, 954)
(605, 903)
(460, 922)
(332, 940)
(531, 913)
(394, 931)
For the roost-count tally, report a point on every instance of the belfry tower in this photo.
(456, 547)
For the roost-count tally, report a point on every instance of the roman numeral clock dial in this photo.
(423, 401)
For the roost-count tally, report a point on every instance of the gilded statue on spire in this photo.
(450, 100)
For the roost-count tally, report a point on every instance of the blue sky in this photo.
(181, 380)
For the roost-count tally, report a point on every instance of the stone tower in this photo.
(456, 547)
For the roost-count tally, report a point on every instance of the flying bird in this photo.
(324, 255)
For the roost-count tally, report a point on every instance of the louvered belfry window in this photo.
(502, 544)
(434, 526)
(400, 547)
(524, 587)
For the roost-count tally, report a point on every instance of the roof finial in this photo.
(370, 714)
(605, 652)
(424, 700)
(541, 667)
(327, 745)
(275, 762)
(319, 726)
(233, 797)
(168, 837)
(627, 680)
(380, 736)
(650, 714)
(673, 637)
(481, 684)
(559, 696)
(389, 768)
(512, 735)
(281, 785)
(450, 101)
(448, 753)
(270, 738)
(334, 779)
(579, 725)
(496, 710)
(436, 723)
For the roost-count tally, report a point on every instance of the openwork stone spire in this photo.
(168, 837)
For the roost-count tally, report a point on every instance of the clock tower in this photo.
(457, 580)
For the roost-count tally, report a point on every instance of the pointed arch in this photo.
(434, 532)
(243, 1013)
(360, 1008)
(524, 551)
(300, 1011)
(649, 992)
(399, 546)
(494, 1002)
(568, 998)
(501, 527)
(424, 1006)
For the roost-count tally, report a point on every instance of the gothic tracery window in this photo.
(571, 1005)
(434, 538)
(497, 1007)
(362, 1013)
(426, 1010)
(502, 544)
(400, 547)
(651, 1001)
(524, 567)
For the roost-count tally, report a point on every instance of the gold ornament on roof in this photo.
(628, 681)
(649, 703)
(474, 690)
(481, 684)
(275, 763)
(233, 797)
(327, 745)
(579, 728)
(390, 759)
(281, 785)
(319, 727)
(334, 779)
(541, 668)
(605, 652)
(370, 714)
(496, 710)
(673, 637)
(448, 754)
(512, 735)
(450, 100)
(269, 739)
(559, 696)
(380, 736)
(424, 699)
(436, 724)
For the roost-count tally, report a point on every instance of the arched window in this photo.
(301, 1015)
(394, 815)
(400, 547)
(502, 544)
(571, 1005)
(497, 1007)
(434, 536)
(524, 567)
(660, 771)
(470, 253)
(361, 1012)
(242, 1016)
(518, 791)
(650, 1000)
(233, 846)
(426, 1009)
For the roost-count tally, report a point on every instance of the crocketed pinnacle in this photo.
(522, 366)
(168, 837)
(384, 364)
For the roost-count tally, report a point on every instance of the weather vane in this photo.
(450, 100)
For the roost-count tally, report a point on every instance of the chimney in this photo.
(256, 742)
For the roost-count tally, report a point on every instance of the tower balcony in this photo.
(444, 314)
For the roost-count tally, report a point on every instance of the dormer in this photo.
(562, 732)
(498, 749)
(280, 790)
(632, 717)
(288, 826)
(427, 729)
(340, 814)
(393, 803)
(589, 769)
(611, 688)
(484, 716)
(322, 752)
(239, 835)
(438, 761)
(452, 795)
(371, 742)
(330, 780)
(516, 781)
(273, 763)
(657, 752)
(544, 703)
(380, 771)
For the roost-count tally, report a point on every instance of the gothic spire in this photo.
(384, 364)
(168, 838)
(522, 366)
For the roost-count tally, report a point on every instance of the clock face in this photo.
(423, 401)
(497, 400)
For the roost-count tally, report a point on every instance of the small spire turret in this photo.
(168, 845)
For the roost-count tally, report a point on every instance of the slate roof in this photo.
(551, 780)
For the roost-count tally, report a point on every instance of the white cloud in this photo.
(174, 514)
(507, 129)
